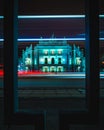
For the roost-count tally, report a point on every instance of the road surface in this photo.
(72, 80)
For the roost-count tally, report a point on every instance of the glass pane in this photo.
(101, 33)
(51, 61)
(1, 51)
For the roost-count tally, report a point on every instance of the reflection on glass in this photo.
(43, 58)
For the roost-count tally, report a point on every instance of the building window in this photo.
(59, 69)
(53, 61)
(59, 52)
(52, 52)
(45, 69)
(59, 60)
(46, 52)
(52, 69)
(46, 61)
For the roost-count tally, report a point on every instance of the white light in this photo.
(101, 16)
(48, 39)
(49, 59)
(101, 39)
(63, 59)
(1, 40)
(41, 60)
(28, 61)
(46, 52)
(51, 16)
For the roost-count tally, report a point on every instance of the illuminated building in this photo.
(53, 56)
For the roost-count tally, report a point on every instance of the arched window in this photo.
(59, 60)
(52, 60)
(46, 61)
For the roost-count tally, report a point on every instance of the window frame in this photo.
(91, 114)
(12, 115)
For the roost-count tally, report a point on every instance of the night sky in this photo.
(46, 27)
(35, 28)
(52, 7)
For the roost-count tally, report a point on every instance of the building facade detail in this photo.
(52, 56)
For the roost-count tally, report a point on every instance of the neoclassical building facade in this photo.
(53, 56)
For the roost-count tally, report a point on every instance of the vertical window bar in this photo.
(10, 58)
(92, 56)
(11, 113)
(90, 115)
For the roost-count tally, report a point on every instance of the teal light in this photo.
(45, 69)
(45, 50)
(101, 16)
(51, 16)
(59, 49)
(1, 17)
(41, 60)
(48, 39)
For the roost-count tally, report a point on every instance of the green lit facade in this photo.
(53, 56)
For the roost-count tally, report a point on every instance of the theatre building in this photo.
(52, 56)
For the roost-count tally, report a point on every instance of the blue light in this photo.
(101, 39)
(52, 39)
(1, 40)
(50, 16)
(101, 16)
(1, 17)
(48, 39)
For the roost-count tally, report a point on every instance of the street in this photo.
(72, 80)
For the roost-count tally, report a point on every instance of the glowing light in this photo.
(51, 16)
(53, 51)
(78, 61)
(102, 62)
(60, 51)
(1, 73)
(1, 40)
(1, 17)
(46, 52)
(45, 69)
(101, 16)
(48, 39)
(49, 59)
(101, 39)
(28, 61)
(63, 61)
(42, 60)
